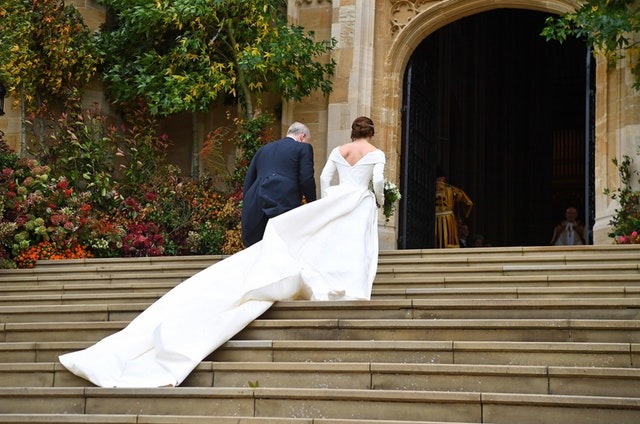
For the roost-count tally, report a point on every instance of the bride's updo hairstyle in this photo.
(362, 127)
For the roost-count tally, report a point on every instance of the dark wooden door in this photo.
(417, 182)
(502, 112)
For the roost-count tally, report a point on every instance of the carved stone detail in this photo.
(403, 11)
(308, 2)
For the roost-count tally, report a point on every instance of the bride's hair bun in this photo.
(362, 127)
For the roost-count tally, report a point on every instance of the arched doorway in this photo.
(505, 114)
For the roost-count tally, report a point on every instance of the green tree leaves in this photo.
(46, 51)
(608, 25)
(184, 55)
(177, 56)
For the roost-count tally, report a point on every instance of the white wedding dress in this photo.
(324, 250)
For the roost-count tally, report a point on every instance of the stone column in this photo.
(353, 27)
(617, 132)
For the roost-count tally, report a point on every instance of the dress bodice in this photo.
(370, 168)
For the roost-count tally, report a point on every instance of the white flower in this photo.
(391, 197)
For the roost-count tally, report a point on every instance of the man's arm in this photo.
(467, 203)
(306, 178)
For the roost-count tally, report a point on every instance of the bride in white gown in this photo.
(324, 250)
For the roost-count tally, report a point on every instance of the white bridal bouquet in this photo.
(391, 197)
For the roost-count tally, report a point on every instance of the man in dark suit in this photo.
(280, 173)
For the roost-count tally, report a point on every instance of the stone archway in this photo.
(412, 21)
(502, 112)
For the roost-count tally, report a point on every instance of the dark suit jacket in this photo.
(280, 173)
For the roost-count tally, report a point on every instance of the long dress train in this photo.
(324, 250)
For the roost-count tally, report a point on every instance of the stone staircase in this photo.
(491, 335)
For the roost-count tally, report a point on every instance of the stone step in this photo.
(498, 335)
(504, 260)
(539, 379)
(392, 287)
(412, 270)
(86, 299)
(481, 308)
(441, 263)
(105, 309)
(151, 280)
(184, 419)
(600, 275)
(517, 292)
(329, 403)
(120, 277)
(111, 294)
(408, 275)
(396, 288)
(550, 330)
(537, 279)
(509, 259)
(582, 354)
(98, 264)
(569, 251)
(543, 330)
(566, 253)
(87, 289)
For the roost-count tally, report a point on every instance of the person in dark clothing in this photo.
(279, 175)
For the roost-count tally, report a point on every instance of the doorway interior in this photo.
(507, 116)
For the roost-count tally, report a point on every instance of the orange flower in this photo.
(48, 250)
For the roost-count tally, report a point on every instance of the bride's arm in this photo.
(378, 182)
(326, 176)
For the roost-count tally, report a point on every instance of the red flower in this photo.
(132, 203)
(56, 219)
(150, 196)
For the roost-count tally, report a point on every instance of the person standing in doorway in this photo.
(447, 197)
(570, 232)
(463, 234)
(279, 175)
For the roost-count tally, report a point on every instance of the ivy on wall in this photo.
(184, 56)
(47, 52)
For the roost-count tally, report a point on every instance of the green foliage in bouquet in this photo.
(391, 197)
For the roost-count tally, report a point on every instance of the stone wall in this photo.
(617, 132)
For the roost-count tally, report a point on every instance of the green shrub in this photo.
(106, 193)
(625, 225)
